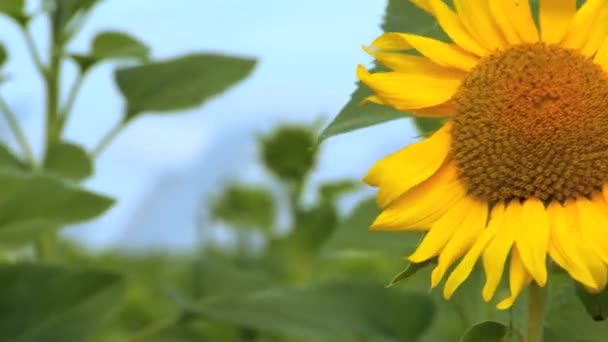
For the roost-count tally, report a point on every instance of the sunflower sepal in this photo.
(491, 331)
(410, 270)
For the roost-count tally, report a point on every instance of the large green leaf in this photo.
(180, 83)
(9, 160)
(219, 279)
(69, 161)
(335, 311)
(401, 16)
(353, 235)
(118, 45)
(55, 304)
(31, 204)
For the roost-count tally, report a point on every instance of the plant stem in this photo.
(67, 110)
(107, 139)
(537, 298)
(31, 46)
(13, 122)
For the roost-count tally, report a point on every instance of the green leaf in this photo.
(245, 207)
(338, 311)
(567, 318)
(180, 83)
(13, 8)
(332, 191)
(69, 161)
(118, 45)
(400, 16)
(9, 160)
(220, 279)
(490, 331)
(68, 16)
(409, 271)
(3, 55)
(353, 235)
(55, 304)
(32, 203)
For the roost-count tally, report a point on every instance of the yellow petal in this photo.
(601, 57)
(597, 34)
(464, 268)
(503, 22)
(532, 239)
(591, 259)
(448, 55)
(555, 17)
(441, 231)
(568, 250)
(476, 17)
(405, 91)
(463, 238)
(593, 224)
(519, 278)
(495, 255)
(423, 4)
(411, 64)
(420, 207)
(519, 17)
(582, 24)
(406, 168)
(453, 27)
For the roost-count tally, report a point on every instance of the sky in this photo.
(307, 52)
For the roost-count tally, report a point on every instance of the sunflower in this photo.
(518, 174)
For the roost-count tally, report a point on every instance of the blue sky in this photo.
(307, 52)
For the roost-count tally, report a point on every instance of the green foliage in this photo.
(409, 272)
(596, 304)
(179, 83)
(118, 45)
(69, 161)
(52, 303)
(289, 154)
(3, 55)
(337, 310)
(490, 332)
(13, 9)
(245, 207)
(400, 16)
(32, 203)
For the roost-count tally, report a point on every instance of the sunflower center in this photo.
(532, 121)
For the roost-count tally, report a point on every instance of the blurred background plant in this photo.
(285, 259)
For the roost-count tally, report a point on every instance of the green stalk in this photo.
(537, 299)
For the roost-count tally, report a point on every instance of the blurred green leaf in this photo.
(69, 161)
(289, 152)
(339, 311)
(400, 16)
(409, 271)
(245, 207)
(32, 203)
(13, 8)
(84, 62)
(9, 160)
(220, 278)
(596, 304)
(55, 304)
(331, 191)
(118, 45)
(68, 15)
(490, 332)
(3, 55)
(180, 83)
(567, 318)
(353, 235)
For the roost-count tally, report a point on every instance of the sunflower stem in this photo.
(537, 299)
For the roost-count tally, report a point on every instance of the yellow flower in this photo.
(521, 166)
